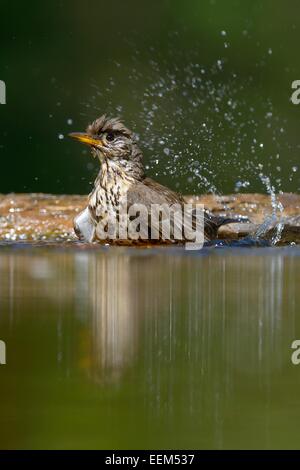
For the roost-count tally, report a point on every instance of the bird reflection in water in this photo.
(112, 297)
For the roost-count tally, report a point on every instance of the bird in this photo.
(122, 178)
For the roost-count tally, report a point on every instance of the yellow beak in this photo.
(86, 139)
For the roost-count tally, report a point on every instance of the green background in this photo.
(210, 108)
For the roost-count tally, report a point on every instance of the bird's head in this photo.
(108, 138)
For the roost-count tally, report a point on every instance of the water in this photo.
(141, 348)
(276, 215)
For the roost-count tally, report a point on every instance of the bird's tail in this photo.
(219, 220)
(212, 223)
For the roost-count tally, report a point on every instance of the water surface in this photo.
(135, 348)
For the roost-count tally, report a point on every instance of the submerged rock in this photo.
(49, 218)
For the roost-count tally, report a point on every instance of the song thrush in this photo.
(122, 177)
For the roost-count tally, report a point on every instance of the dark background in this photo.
(205, 84)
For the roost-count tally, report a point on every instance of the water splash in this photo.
(203, 125)
(276, 215)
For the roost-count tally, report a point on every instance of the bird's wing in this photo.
(169, 196)
(149, 193)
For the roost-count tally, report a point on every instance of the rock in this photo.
(38, 216)
(254, 206)
(290, 232)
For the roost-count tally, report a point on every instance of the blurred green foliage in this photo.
(53, 55)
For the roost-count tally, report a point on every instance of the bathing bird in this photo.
(122, 182)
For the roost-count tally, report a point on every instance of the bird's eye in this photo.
(110, 136)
